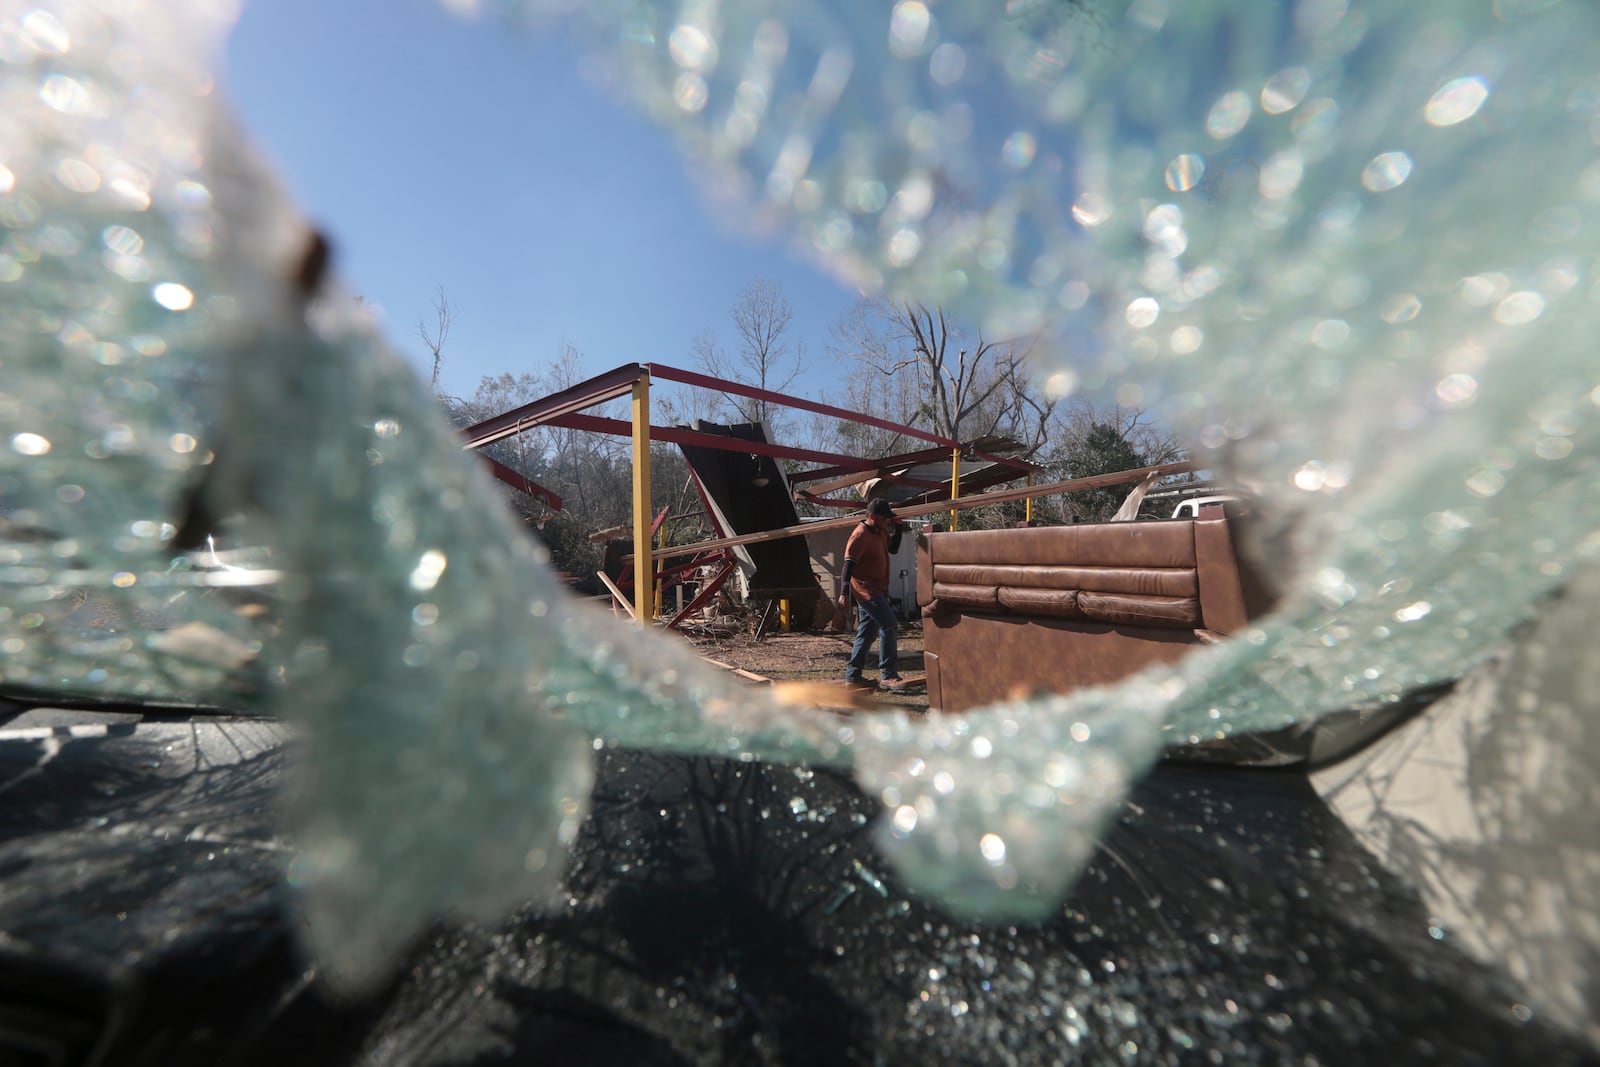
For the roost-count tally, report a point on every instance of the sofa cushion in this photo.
(1159, 543)
(1181, 613)
(1055, 603)
(1151, 581)
(950, 596)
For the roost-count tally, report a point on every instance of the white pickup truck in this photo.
(1190, 509)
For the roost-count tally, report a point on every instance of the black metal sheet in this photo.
(730, 478)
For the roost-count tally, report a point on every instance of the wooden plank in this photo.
(998, 496)
(617, 594)
(740, 671)
(611, 533)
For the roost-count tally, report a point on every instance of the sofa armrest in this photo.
(1221, 594)
(924, 572)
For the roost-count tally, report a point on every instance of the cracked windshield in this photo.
(773, 531)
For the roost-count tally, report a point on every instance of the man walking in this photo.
(865, 579)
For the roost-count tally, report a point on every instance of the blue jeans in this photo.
(877, 618)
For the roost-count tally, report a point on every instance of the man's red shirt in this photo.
(869, 548)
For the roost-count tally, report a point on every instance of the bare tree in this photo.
(765, 358)
(865, 390)
(964, 388)
(527, 453)
(682, 405)
(1088, 440)
(1149, 438)
(444, 316)
(589, 470)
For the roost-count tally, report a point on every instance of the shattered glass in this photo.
(1349, 250)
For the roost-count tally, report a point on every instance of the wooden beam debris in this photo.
(999, 496)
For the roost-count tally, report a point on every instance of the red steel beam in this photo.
(705, 381)
(587, 394)
(911, 459)
(708, 589)
(844, 472)
(562, 409)
(679, 436)
(521, 483)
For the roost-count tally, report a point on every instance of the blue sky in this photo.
(444, 153)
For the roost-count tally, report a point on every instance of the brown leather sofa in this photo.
(1008, 613)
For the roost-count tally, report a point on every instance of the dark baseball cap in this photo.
(880, 506)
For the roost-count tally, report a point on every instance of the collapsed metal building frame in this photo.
(921, 494)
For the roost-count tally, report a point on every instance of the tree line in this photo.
(905, 362)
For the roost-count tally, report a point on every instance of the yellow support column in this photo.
(644, 568)
(955, 482)
(1027, 507)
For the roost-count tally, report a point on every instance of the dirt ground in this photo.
(811, 657)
